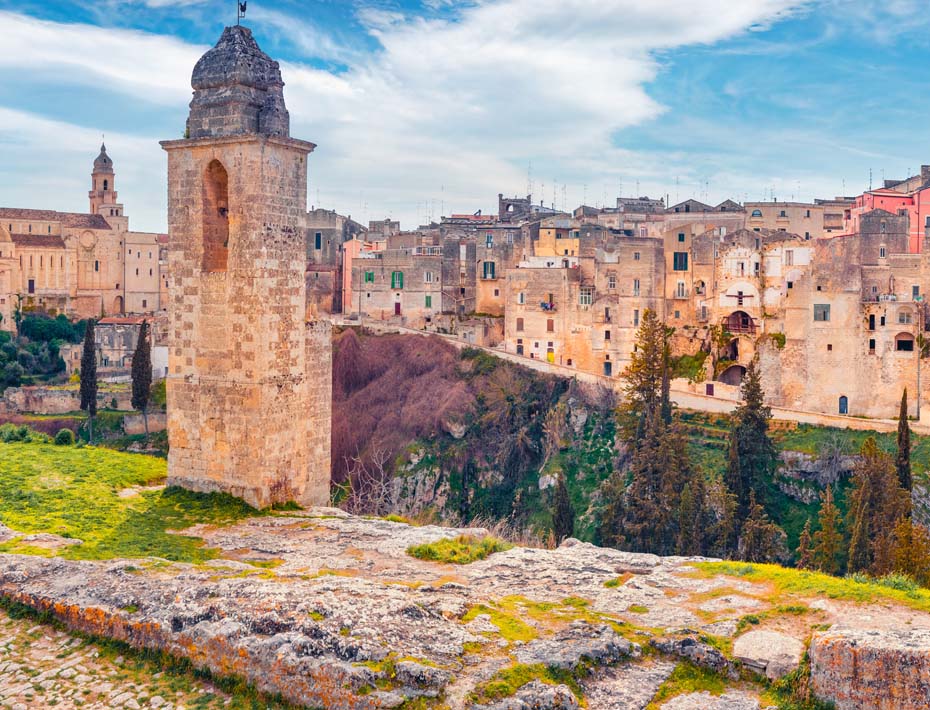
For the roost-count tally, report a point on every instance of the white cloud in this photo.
(46, 165)
(449, 110)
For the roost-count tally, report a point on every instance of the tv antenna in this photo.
(240, 10)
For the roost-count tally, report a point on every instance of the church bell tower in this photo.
(249, 383)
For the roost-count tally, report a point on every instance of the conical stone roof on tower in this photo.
(237, 90)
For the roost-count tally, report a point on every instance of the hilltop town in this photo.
(255, 555)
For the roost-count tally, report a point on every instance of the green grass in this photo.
(805, 583)
(74, 492)
(508, 681)
(461, 550)
(687, 678)
(510, 627)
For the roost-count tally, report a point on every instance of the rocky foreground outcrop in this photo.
(330, 611)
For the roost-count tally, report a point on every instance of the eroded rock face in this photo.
(861, 669)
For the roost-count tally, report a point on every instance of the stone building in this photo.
(327, 234)
(80, 264)
(583, 311)
(249, 384)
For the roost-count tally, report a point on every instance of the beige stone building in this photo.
(250, 378)
(81, 264)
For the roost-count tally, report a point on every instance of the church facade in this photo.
(82, 264)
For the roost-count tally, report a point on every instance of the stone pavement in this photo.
(42, 667)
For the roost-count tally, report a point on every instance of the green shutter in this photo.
(429, 301)
(397, 279)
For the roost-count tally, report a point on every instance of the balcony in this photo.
(681, 294)
(547, 306)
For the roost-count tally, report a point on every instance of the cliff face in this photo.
(331, 611)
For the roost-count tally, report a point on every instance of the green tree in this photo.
(903, 458)
(755, 452)
(912, 550)
(563, 514)
(828, 540)
(876, 502)
(645, 377)
(89, 377)
(142, 374)
(804, 553)
(641, 503)
(761, 540)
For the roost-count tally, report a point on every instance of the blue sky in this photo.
(423, 107)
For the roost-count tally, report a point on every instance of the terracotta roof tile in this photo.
(44, 241)
(77, 220)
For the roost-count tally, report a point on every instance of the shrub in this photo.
(64, 437)
(779, 339)
(460, 550)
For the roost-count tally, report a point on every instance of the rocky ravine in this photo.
(337, 615)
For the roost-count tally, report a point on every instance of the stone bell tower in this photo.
(249, 383)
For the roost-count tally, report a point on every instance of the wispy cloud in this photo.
(451, 107)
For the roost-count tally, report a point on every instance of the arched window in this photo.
(106, 185)
(844, 405)
(756, 213)
(215, 217)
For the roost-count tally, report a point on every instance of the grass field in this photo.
(74, 492)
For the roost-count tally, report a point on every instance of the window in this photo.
(829, 347)
(510, 237)
(871, 346)
(586, 296)
(550, 325)
(881, 252)
(783, 214)
(635, 287)
(369, 277)
(636, 316)
(497, 292)
(428, 277)
(397, 279)
(915, 292)
(872, 321)
(96, 266)
(807, 236)
(519, 325)
(488, 267)
(680, 290)
(521, 298)
(883, 228)
(32, 286)
(681, 236)
(904, 344)
(822, 312)
(755, 268)
(789, 257)
(429, 301)
(756, 213)
(636, 255)
(808, 213)
(904, 317)
(677, 314)
(606, 335)
(144, 303)
(137, 272)
(680, 261)
(318, 240)
(611, 282)
(489, 240)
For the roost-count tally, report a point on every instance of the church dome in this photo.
(103, 163)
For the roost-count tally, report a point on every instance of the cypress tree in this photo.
(761, 540)
(903, 459)
(142, 374)
(755, 451)
(645, 377)
(805, 555)
(828, 539)
(89, 377)
(563, 514)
